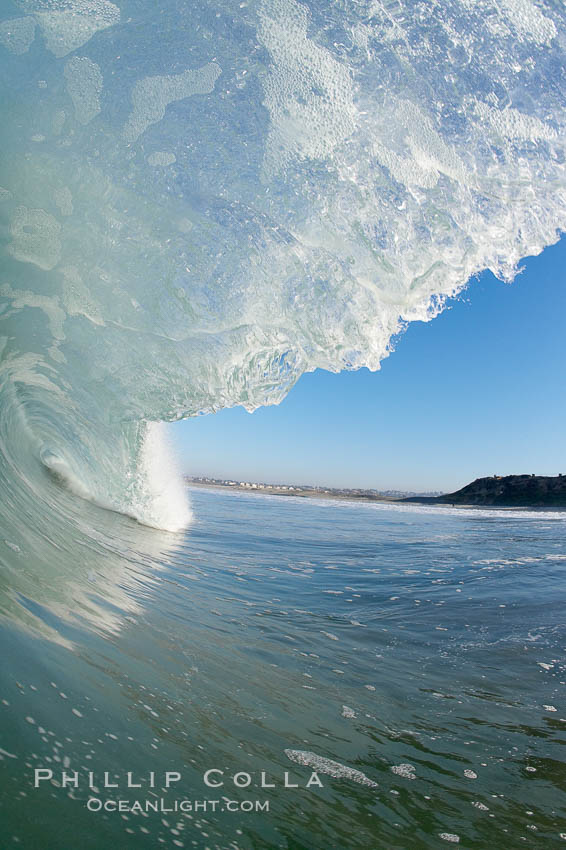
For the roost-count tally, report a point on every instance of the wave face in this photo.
(201, 201)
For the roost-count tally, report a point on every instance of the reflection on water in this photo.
(420, 650)
(75, 565)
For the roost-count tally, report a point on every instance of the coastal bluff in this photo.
(505, 491)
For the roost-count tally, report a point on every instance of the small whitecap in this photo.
(407, 771)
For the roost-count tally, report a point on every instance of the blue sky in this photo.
(477, 391)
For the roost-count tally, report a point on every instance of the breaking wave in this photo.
(201, 201)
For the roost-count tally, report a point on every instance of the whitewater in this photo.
(200, 202)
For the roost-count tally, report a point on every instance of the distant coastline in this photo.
(308, 490)
(500, 492)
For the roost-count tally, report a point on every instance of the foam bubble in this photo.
(77, 299)
(407, 771)
(162, 158)
(523, 16)
(308, 93)
(152, 95)
(17, 34)
(84, 84)
(48, 304)
(35, 238)
(68, 24)
(58, 121)
(64, 200)
(510, 124)
(329, 767)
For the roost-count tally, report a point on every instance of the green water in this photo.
(421, 648)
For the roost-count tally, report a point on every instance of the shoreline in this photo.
(424, 501)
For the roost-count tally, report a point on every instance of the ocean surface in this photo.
(413, 657)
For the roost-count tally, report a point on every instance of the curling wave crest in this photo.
(201, 201)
